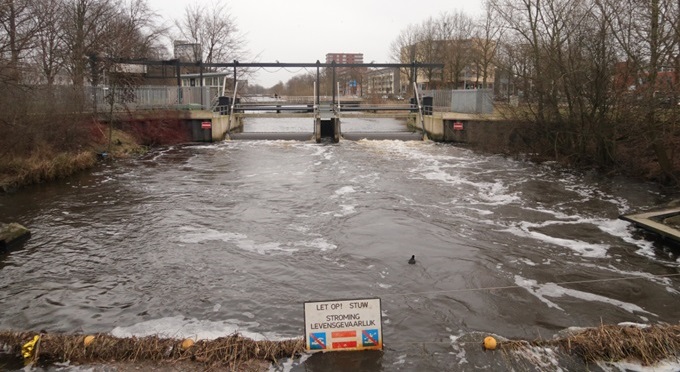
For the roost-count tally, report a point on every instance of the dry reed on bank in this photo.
(612, 343)
(43, 165)
(231, 351)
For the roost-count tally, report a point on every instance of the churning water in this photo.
(207, 240)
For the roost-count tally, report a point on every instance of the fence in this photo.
(469, 101)
(155, 97)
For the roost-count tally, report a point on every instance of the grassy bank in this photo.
(47, 163)
(59, 151)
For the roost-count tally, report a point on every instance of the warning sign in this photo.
(343, 325)
(458, 125)
(206, 125)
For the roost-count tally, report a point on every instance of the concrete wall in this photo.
(498, 136)
(485, 132)
(219, 125)
(434, 126)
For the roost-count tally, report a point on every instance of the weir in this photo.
(208, 124)
(222, 117)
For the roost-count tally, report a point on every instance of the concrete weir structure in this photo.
(326, 123)
(209, 126)
(459, 127)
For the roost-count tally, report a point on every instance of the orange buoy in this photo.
(187, 343)
(88, 340)
(490, 343)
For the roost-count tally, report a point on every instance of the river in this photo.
(206, 240)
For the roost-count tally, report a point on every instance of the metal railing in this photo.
(154, 97)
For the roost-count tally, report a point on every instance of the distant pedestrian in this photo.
(412, 261)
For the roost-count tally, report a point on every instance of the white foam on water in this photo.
(623, 230)
(631, 324)
(625, 366)
(542, 291)
(491, 194)
(384, 317)
(288, 364)
(163, 151)
(481, 212)
(344, 190)
(496, 194)
(193, 235)
(542, 357)
(583, 248)
(320, 243)
(527, 261)
(636, 274)
(196, 329)
(458, 350)
(65, 366)
(401, 359)
(346, 210)
(614, 227)
(587, 192)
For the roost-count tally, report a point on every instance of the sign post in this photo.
(343, 325)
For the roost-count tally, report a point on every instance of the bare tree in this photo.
(215, 30)
(487, 36)
(403, 50)
(86, 25)
(49, 51)
(455, 30)
(646, 35)
(18, 28)
(300, 85)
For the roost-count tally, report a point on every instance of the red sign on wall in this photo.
(206, 125)
(458, 125)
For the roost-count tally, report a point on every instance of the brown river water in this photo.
(207, 240)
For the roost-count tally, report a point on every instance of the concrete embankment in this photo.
(486, 132)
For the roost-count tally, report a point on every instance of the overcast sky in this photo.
(305, 30)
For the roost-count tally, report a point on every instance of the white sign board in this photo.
(343, 325)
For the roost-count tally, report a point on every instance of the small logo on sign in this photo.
(370, 337)
(317, 341)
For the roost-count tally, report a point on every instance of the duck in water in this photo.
(412, 261)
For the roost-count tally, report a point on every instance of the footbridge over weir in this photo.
(325, 115)
(326, 112)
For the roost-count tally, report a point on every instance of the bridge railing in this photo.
(285, 99)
